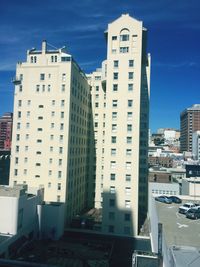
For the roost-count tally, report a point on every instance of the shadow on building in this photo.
(4, 167)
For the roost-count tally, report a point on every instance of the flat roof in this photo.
(177, 229)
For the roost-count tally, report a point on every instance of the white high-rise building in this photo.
(120, 104)
(196, 145)
(51, 130)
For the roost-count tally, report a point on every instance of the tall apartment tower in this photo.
(120, 104)
(51, 128)
(6, 131)
(190, 122)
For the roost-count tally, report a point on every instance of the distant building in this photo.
(4, 167)
(192, 170)
(6, 131)
(196, 145)
(190, 122)
(166, 162)
(191, 186)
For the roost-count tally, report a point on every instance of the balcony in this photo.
(16, 81)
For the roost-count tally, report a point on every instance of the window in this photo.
(50, 161)
(111, 202)
(17, 149)
(38, 152)
(112, 189)
(112, 176)
(60, 150)
(128, 165)
(16, 160)
(51, 137)
(39, 129)
(113, 151)
(19, 103)
(28, 113)
(52, 113)
(131, 63)
(124, 37)
(63, 88)
(49, 185)
(128, 177)
(27, 125)
(62, 103)
(37, 164)
(129, 115)
(115, 63)
(49, 87)
(59, 174)
(111, 228)
(64, 77)
(15, 172)
(128, 152)
(52, 125)
(114, 38)
(62, 126)
(64, 59)
(114, 128)
(28, 102)
(39, 141)
(60, 162)
(61, 138)
(62, 115)
(53, 102)
(18, 137)
(130, 103)
(115, 75)
(58, 198)
(130, 75)
(97, 88)
(128, 190)
(129, 139)
(111, 215)
(129, 127)
(18, 125)
(127, 230)
(40, 118)
(25, 171)
(112, 164)
(114, 103)
(113, 139)
(114, 115)
(130, 87)
(59, 186)
(127, 204)
(27, 136)
(42, 76)
(19, 114)
(37, 88)
(115, 87)
(127, 217)
(124, 49)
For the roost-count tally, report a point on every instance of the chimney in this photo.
(44, 46)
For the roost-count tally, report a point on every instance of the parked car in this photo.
(175, 199)
(163, 199)
(193, 213)
(183, 209)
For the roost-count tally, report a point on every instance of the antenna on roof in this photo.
(52, 46)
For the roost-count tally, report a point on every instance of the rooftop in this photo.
(178, 230)
(16, 191)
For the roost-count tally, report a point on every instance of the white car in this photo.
(185, 207)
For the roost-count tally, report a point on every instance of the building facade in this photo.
(190, 122)
(121, 112)
(51, 128)
(6, 131)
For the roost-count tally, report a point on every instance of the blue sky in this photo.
(173, 41)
